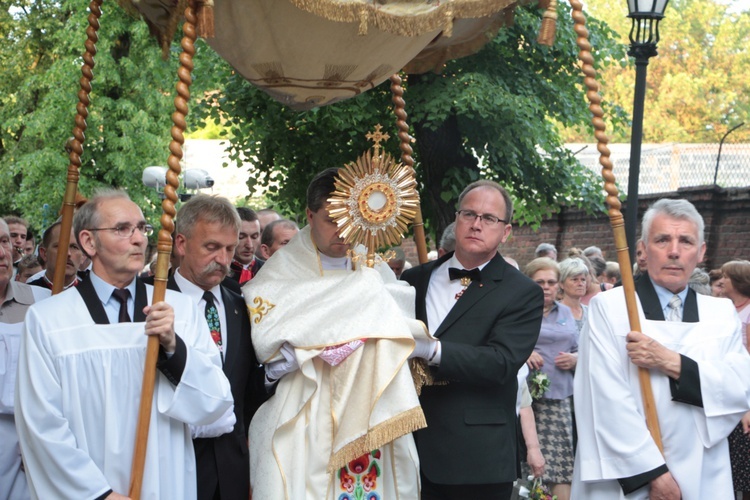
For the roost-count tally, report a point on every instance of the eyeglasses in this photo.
(127, 230)
(487, 219)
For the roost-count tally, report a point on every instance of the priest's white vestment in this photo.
(78, 393)
(309, 440)
(613, 441)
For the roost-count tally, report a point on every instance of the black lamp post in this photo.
(644, 35)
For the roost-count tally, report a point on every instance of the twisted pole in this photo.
(613, 200)
(399, 109)
(164, 244)
(74, 145)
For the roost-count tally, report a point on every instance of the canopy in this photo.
(308, 53)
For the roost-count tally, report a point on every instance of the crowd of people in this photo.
(289, 369)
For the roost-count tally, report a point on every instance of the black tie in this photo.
(455, 273)
(122, 295)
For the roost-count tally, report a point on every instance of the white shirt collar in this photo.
(194, 291)
(666, 295)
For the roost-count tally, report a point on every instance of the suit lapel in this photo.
(423, 282)
(690, 309)
(234, 329)
(96, 309)
(492, 274)
(141, 301)
(648, 298)
(93, 304)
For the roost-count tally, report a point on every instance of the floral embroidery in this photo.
(359, 479)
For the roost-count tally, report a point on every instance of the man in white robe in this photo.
(699, 371)
(15, 299)
(339, 427)
(81, 369)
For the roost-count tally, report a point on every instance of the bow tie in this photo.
(473, 274)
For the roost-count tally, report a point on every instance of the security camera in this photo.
(197, 178)
(155, 177)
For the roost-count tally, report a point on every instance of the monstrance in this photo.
(375, 198)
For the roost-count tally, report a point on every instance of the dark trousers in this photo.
(492, 491)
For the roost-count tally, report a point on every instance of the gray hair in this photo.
(572, 266)
(544, 249)
(87, 217)
(206, 208)
(613, 270)
(494, 185)
(675, 209)
(266, 237)
(4, 225)
(448, 240)
(593, 250)
(699, 281)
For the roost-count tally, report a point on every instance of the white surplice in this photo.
(613, 441)
(78, 394)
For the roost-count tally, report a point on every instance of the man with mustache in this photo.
(699, 373)
(207, 234)
(48, 253)
(81, 363)
(15, 299)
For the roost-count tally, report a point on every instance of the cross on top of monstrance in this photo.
(376, 137)
(375, 198)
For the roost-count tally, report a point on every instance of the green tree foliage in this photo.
(492, 115)
(41, 43)
(697, 87)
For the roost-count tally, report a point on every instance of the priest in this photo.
(81, 366)
(339, 426)
(700, 374)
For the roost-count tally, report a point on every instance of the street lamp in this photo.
(644, 35)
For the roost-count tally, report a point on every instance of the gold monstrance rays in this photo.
(375, 198)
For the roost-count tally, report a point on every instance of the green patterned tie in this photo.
(212, 318)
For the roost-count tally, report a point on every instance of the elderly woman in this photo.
(574, 279)
(737, 289)
(555, 354)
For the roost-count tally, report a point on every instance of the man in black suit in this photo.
(486, 316)
(207, 234)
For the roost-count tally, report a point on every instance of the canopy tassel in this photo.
(549, 25)
(364, 17)
(448, 27)
(205, 15)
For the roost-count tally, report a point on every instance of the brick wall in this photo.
(726, 213)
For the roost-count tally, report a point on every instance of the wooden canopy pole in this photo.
(164, 245)
(399, 110)
(615, 215)
(75, 144)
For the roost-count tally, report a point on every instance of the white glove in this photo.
(424, 348)
(222, 425)
(277, 369)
